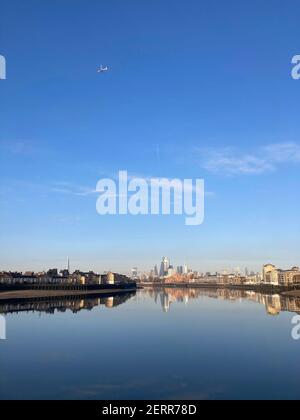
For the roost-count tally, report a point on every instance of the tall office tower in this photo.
(170, 271)
(134, 273)
(165, 264)
(185, 269)
(156, 271)
(246, 272)
(180, 270)
(68, 265)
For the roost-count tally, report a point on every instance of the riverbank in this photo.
(292, 293)
(37, 294)
(265, 289)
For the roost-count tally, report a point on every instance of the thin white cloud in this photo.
(248, 165)
(66, 218)
(264, 159)
(72, 189)
(66, 188)
(164, 182)
(18, 147)
(283, 152)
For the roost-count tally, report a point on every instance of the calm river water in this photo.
(155, 344)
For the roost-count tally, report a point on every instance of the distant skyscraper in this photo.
(134, 273)
(165, 264)
(170, 271)
(156, 271)
(180, 270)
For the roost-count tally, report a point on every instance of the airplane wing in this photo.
(102, 69)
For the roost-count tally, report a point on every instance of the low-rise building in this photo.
(278, 277)
(84, 279)
(270, 275)
(232, 279)
(288, 277)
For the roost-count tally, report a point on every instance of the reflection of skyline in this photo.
(274, 304)
(166, 296)
(63, 304)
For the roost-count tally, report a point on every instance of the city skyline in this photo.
(269, 274)
(200, 102)
(136, 270)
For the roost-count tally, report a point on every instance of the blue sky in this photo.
(195, 90)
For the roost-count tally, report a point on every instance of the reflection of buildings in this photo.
(110, 302)
(166, 296)
(62, 304)
(274, 304)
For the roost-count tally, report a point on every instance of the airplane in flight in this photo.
(102, 69)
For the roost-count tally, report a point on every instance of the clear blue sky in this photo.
(196, 89)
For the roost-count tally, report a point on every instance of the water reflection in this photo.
(274, 304)
(211, 350)
(62, 304)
